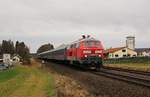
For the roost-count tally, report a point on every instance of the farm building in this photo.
(120, 52)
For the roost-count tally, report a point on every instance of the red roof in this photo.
(112, 50)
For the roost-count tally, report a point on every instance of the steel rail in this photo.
(128, 70)
(145, 82)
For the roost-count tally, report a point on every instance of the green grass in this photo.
(8, 74)
(10, 82)
(23, 81)
(50, 91)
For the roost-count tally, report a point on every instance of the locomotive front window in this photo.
(92, 44)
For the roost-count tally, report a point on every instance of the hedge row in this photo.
(128, 60)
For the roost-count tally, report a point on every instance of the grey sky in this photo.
(63, 21)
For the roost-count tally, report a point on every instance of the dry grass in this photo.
(67, 87)
(134, 66)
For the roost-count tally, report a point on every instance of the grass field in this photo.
(133, 66)
(24, 81)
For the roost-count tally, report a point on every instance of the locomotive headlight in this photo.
(87, 52)
(99, 55)
(85, 55)
(98, 51)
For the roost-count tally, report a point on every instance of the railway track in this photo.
(129, 76)
(127, 70)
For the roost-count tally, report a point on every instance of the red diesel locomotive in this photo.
(86, 52)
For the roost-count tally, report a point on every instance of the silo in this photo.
(130, 42)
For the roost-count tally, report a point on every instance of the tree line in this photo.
(45, 47)
(19, 48)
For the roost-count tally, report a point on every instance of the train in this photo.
(86, 52)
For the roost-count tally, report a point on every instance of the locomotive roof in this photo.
(63, 46)
(86, 39)
(89, 39)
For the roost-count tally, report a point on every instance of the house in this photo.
(143, 52)
(16, 58)
(120, 52)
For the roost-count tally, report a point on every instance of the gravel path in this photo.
(94, 86)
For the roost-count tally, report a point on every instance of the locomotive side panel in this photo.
(72, 52)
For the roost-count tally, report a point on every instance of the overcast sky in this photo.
(62, 21)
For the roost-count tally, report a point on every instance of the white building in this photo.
(6, 58)
(16, 59)
(121, 52)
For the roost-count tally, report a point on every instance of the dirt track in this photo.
(71, 82)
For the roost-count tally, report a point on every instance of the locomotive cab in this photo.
(91, 53)
(92, 48)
